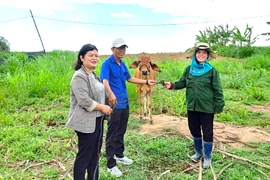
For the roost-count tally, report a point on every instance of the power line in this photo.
(170, 24)
(138, 25)
(101, 24)
(105, 24)
(15, 19)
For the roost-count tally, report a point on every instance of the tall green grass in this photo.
(34, 103)
(243, 51)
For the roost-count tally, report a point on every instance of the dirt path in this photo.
(232, 135)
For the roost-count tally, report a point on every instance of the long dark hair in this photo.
(85, 48)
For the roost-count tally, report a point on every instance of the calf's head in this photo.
(145, 66)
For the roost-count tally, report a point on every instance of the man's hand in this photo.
(151, 82)
(112, 100)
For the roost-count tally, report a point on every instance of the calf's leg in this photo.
(149, 98)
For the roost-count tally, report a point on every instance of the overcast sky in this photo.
(150, 26)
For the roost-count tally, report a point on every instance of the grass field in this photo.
(36, 144)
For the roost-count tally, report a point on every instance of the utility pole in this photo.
(37, 31)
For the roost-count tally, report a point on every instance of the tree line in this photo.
(4, 44)
(221, 36)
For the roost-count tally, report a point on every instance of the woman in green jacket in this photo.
(204, 98)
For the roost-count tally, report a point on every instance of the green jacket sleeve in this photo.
(219, 102)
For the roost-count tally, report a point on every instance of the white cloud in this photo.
(122, 15)
(191, 16)
(216, 9)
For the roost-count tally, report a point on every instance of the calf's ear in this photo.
(155, 67)
(135, 64)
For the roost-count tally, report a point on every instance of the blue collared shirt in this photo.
(116, 75)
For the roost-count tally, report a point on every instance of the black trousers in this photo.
(117, 125)
(201, 123)
(87, 158)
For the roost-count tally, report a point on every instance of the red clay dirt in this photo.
(157, 57)
(231, 135)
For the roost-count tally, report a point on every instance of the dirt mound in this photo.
(232, 135)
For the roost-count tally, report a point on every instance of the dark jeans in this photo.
(201, 122)
(87, 158)
(117, 125)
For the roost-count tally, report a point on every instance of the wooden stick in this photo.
(50, 139)
(67, 173)
(37, 164)
(236, 140)
(244, 159)
(227, 166)
(213, 173)
(223, 169)
(20, 164)
(188, 137)
(163, 174)
(63, 168)
(195, 166)
(200, 170)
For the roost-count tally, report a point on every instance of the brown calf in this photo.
(145, 69)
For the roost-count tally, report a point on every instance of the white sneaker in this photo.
(115, 171)
(124, 160)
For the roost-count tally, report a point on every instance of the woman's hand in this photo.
(167, 85)
(106, 110)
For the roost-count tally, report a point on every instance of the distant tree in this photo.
(4, 44)
(222, 36)
(243, 39)
(225, 35)
(203, 37)
(218, 37)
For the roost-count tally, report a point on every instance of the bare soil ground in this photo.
(167, 56)
(157, 57)
(231, 135)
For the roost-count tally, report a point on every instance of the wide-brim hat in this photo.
(203, 46)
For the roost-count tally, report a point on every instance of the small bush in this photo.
(236, 51)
